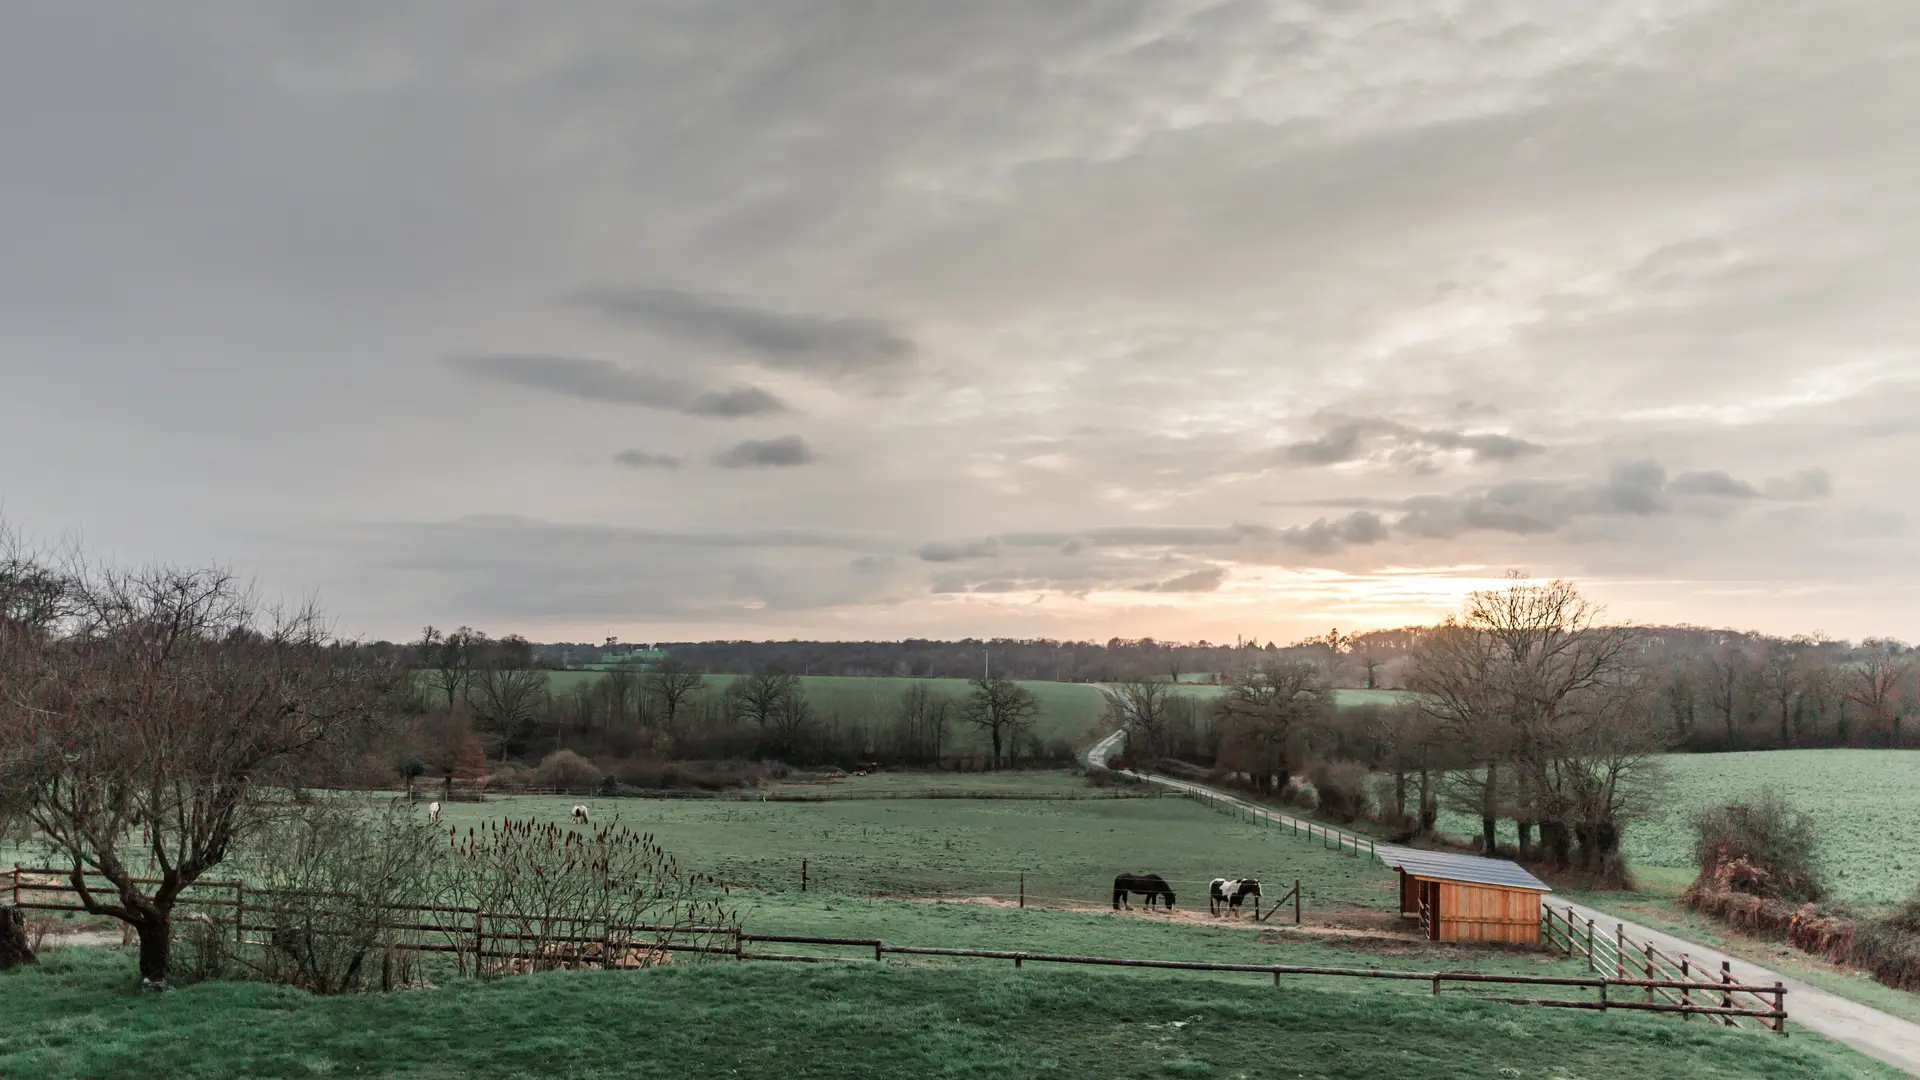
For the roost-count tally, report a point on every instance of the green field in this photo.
(1865, 802)
(76, 1017)
(1069, 850)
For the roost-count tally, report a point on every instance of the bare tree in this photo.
(758, 698)
(1874, 682)
(1002, 709)
(450, 660)
(506, 691)
(155, 724)
(1781, 679)
(673, 684)
(925, 717)
(1726, 671)
(1143, 711)
(1265, 712)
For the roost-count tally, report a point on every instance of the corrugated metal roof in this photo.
(1473, 868)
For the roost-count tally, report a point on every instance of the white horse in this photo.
(433, 813)
(580, 815)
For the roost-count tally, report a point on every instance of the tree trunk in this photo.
(1429, 803)
(1489, 811)
(156, 948)
(1555, 843)
(1400, 798)
(996, 748)
(15, 949)
(1525, 829)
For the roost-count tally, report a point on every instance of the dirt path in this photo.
(1878, 1035)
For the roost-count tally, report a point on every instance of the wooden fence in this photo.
(1675, 983)
(503, 936)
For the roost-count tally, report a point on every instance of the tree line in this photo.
(481, 709)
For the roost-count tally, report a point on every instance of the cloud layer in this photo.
(1182, 319)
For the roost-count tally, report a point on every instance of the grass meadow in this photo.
(1070, 850)
(1866, 804)
(75, 1016)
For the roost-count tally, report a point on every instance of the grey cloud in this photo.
(979, 549)
(1207, 579)
(602, 381)
(1635, 488)
(1807, 484)
(1713, 482)
(642, 459)
(1348, 441)
(829, 345)
(787, 450)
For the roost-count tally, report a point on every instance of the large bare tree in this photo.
(1265, 712)
(1001, 709)
(673, 684)
(1143, 709)
(149, 727)
(1875, 682)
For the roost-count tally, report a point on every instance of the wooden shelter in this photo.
(1466, 897)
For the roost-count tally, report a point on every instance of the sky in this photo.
(820, 318)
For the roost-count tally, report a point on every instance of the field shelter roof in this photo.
(1470, 868)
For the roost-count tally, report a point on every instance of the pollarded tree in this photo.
(151, 728)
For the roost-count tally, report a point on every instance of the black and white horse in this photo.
(1231, 892)
(1153, 885)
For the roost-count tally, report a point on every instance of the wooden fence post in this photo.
(803, 875)
(1023, 888)
(1726, 999)
(479, 943)
(1296, 901)
(1686, 993)
(1590, 964)
(16, 884)
(1650, 970)
(1619, 950)
(239, 911)
(1780, 1007)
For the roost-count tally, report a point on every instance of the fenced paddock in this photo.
(517, 941)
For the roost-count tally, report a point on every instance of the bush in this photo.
(1342, 788)
(1763, 848)
(567, 771)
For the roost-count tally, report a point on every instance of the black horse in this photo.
(1153, 885)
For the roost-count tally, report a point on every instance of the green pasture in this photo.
(1865, 802)
(76, 1016)
(1069, 850)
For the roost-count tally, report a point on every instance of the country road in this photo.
(1878, 1035)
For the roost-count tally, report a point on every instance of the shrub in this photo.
(1763, 848)
(567, 771)
(1342, 788)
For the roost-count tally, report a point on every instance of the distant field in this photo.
(1866, 803)
(1068, 711)
(1345, 699)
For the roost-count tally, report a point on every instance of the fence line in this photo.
(1662, 975)
(562, 949)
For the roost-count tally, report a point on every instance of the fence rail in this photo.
(504, 936)
(1670, 983)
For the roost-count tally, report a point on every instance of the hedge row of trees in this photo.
(480, 708)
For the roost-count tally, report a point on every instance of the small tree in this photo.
(149, 731)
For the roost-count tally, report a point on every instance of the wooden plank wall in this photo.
(1488, 913)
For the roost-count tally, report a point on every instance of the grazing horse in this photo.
(580, 815)
(1152, 885)
(1231, 892)
(433, 813)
